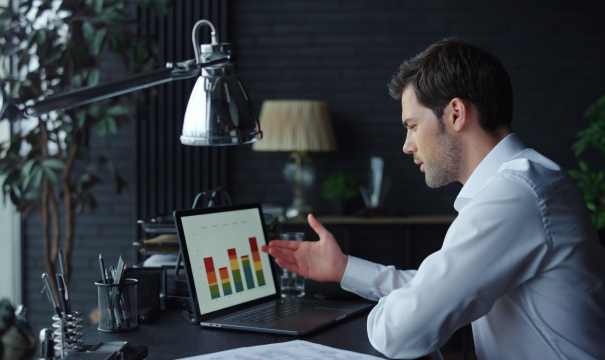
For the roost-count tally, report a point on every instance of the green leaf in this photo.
(81, 116)
(55, 54)
(98, 6)
(54, 164)
(583, 166)
(102, 129)
(113, 17)
(88, 31)
(112, 125)
(94, 112)
(31, 177)
(98, 41)
(41, 37)
(118, 110)
(33, 195)
(50, 175)
(27, 168)
(591, 207)
(37, 178)
(93, 78)
(76, 81)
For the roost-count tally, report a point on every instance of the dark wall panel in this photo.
(344, 52)
(170, 174)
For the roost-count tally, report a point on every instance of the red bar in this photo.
(209, 264)
(231, 253)
(244, 257)
(254, 249)
(253, 245)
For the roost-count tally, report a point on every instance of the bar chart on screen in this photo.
(227, 266)
(235, 271)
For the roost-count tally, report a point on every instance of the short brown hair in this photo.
(454, 68)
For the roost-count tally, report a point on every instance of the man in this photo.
(521, 262)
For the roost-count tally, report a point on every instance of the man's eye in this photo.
(412, 127)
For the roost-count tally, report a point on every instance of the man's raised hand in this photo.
(316, 260)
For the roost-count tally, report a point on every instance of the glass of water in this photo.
(291, 284)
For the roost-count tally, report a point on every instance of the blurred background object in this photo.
(298, 126)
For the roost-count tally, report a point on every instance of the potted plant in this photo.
(340, 187)
(55, 46)
(592, 181)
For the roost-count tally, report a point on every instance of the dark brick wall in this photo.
(344, 52)
(110, 230)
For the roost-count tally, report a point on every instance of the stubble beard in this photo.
(444, 167)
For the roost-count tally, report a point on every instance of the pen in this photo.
(102, 264)
(50, 294)
(65, 285)
(62, 293)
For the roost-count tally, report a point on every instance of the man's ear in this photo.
(456, 114)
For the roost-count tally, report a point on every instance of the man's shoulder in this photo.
(534, 170)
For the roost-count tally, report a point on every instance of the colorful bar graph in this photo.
(212, 283)
(257, 264)
(248, 272)
(237, 275)
(225, 280)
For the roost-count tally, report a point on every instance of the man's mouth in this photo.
(421, 165)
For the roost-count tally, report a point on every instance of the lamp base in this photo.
(298, 209)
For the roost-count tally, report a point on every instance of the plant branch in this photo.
(48, 259)
(69, 206)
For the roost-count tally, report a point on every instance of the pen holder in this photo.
(67, 331)
(118, 306)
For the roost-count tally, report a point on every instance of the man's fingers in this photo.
(287, 265)
(283, 244)
(284, 254)
(316, 225)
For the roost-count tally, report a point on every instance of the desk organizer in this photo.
(118, 306)
(67, 330)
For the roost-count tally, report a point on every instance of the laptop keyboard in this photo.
(272, 312)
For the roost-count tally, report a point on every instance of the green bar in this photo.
(227, 288)
(237, 276)
(214, 291)
(260, 277)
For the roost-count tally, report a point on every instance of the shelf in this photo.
(354, 220)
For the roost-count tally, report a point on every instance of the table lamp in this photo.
(219, 111)
(298, 126)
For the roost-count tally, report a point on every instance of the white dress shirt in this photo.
(521, 262)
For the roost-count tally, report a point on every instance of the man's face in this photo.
(434, 149)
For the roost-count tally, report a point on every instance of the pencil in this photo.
(102, 264)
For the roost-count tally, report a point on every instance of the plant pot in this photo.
(339, 207)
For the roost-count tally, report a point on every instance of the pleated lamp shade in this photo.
(296, 125)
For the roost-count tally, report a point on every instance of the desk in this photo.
(172, 337)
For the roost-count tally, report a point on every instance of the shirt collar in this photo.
(505, 150)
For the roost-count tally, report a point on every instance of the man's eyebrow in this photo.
(405, 122)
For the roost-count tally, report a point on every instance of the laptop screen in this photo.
(227, 266)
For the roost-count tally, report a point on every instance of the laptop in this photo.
(232, 283)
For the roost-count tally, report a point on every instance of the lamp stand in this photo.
(299, 173)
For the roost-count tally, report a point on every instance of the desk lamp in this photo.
(219, 111)
(297, 126)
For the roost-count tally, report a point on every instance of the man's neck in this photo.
(476, 149)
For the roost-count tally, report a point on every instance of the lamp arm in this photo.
(180, 71)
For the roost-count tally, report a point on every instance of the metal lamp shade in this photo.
(219, 112)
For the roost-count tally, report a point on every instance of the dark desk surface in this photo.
(172, 337)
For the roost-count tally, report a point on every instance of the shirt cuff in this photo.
(359, 276)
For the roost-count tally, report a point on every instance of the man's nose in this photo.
(409, 147)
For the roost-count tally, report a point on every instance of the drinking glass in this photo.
(292, 285)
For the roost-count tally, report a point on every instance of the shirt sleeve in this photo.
(496, 243)
(371, 280)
